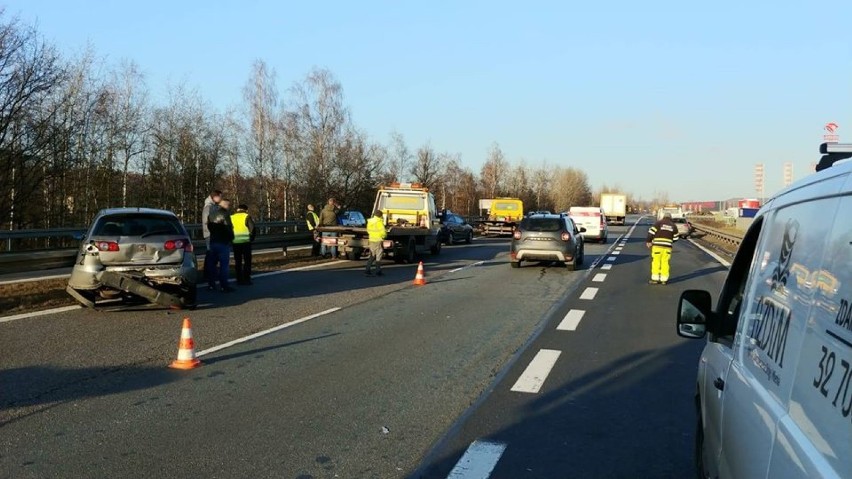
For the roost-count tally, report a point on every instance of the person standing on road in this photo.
(377, 233)
(210, 204)
(660, 240)
(312, 220)
(328, 217)
(244, 233)
(221, 237)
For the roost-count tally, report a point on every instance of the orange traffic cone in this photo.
(186, 349)
(419, 279)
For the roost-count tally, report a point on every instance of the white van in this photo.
(593, 219)
(773, 396)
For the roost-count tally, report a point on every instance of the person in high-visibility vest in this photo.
(660, 239)
(377, 233)
(312, 219)
(244, 232)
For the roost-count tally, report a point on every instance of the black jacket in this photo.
(662, 233)
(219, 224)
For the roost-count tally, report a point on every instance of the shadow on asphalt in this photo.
(633, 417)
(697, 274)
(251, 352)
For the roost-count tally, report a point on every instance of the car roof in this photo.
(138, 210)
(543, 215)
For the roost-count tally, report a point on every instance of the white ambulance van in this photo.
(773, 396)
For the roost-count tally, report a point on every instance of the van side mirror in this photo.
(694, 312)
(582, 229)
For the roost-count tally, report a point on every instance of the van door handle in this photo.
(719, 383)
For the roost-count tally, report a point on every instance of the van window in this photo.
(402, 201)
(506, 206)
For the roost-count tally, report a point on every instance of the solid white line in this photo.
(599, 278)
(264, 332)
(40, 278)
(589, 293)
(536, 372)
(34, 314)
(606, 266)
(571, 320)
(466, 267)
(611, 258)
(478, 461)
(301, 268)
(715, 256)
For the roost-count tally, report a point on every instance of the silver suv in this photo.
(546, 237)
(133, 253)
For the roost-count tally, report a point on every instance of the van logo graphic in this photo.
(782, 268)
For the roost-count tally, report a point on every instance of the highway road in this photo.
(537, 372)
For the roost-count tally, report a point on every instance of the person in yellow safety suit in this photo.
(660, 239)
(244, 232)
(312, 219)
(377, 233)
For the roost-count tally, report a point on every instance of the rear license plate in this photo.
(329, 241)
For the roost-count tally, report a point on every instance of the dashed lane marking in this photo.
(264, 332)
(715, 256)
(536, 372)
(478, 461)
(589, 293)
(571, 320)
(38, 313)
(466, 267)
(599, 278)
(611, 258)
(616, 252)
(606, 267)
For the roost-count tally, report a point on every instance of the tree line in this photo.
(77, 136)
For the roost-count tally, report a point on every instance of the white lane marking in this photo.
(40, 278)
(34, 314)
(571, 320)
(532, 379)
(301, 268)
(466, 267)
(616, 252)
(715, 256)
(478, 461)
(589, 293)
(264, 332)
(611, 258)
(606, 266)
(599, 278)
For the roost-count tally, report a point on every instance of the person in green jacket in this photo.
(244, 233)
(377, 233)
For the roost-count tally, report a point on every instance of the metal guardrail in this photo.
(725, 236)
(65, 258)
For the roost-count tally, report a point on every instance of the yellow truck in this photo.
(503, 215)
(411, 220)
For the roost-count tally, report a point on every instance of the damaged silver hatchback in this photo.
(135, 253)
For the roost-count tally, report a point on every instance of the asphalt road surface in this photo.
(371, 377)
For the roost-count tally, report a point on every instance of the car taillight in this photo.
(516, 234)
(106, 246)
(566, 236)
(184, 244)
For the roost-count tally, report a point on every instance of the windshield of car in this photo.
(542, 224)
(402, 201)
(137, 225)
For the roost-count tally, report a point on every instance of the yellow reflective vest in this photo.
(376, 228)
(312, 224)
(241, 230)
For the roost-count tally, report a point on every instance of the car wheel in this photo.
(189, 296)
(582, 257)
(516, 264)
(436, 248)
(410, 252)
(469, 238)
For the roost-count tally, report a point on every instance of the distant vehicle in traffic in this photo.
(548, 238)
(352, 218)
(593, 219)
(539, 212)
(133, 253)
(684, 227)
(503, 215)
(773, 390)
(615, 207)
(454, 229)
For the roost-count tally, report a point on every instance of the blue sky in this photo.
(653, 96)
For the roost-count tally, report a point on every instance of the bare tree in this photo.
(540, 185)
(570, 188)
(261, 97)
(399, 158)
(427, 166)
(493, 172)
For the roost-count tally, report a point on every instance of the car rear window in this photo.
(137, 225)
(679, 220)
(542, 224)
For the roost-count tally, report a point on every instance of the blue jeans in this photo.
(220, 254)
(324, 249)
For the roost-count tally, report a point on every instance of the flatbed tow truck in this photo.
(411, 220)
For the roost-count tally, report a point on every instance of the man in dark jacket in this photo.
(660, 239)
(328, 217)
(221, 237)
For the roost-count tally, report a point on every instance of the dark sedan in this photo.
(455, 229)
